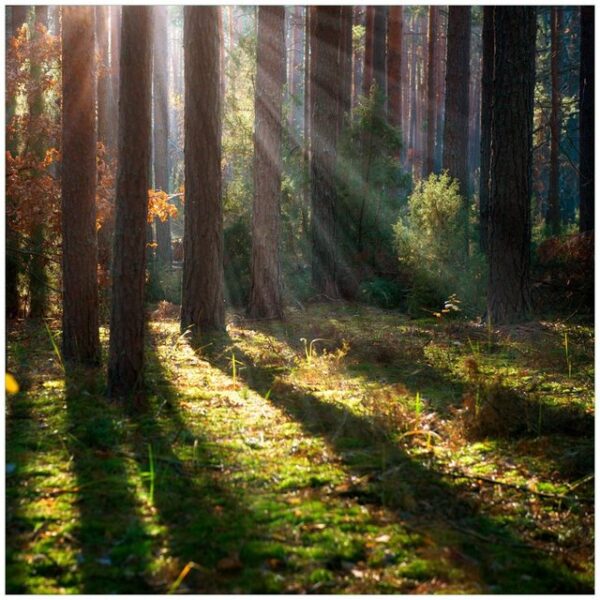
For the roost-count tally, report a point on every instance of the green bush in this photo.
(385, 293)
(430, 240)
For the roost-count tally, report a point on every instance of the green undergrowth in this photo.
(346, 449)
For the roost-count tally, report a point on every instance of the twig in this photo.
(515, 486)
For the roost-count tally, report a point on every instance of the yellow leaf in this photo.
(12, 387)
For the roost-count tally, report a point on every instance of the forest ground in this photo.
(347, 449)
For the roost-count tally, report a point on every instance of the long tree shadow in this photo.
(206, 522)
(420, 496)
(507, 414)
(115, 546)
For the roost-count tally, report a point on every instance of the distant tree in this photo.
(202, 306)
(487, 83)
(103, 70)
(346, 63)
(126, 352)
(161, 129)
(265, 289)
(510, 191)
(324, 132)
(586, 121)
(394, 65)
(368, 60)
(456, 124)
(553, 215)
(432, 64)
(379, 49)
(17, 15)
(37, 272)
(115, 57)
(80, 341)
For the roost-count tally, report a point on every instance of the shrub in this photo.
(430, 244)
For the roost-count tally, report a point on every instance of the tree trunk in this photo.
(103, 91)
(510, 192)
(358, 60)
(115, 57)
(368, 60)
(379, 46)
(265, 290)
(126, 352)
(161, 129)
(586, 121)
(487, 86)
(202, 307)
(326, 79)
(432, 65)
(346, 63)
(456, 126)
(394, 65)
(18, 16)
(80, 341)
(553, 215)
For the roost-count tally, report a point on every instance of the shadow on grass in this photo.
(506, 414)
(449, 515)
(114, 544)
(205, 522)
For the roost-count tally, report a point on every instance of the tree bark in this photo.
(80, 341)
(346, 63)
(456, 125)
(103, 90)
(586, 121)
(394, 65)
(203, 307)
(161, 129)
(126, 352)
(487, 86)
(553, 215)
(510, 193)
(115, 57)
(431, 79)
(265, 289)
(326, 79)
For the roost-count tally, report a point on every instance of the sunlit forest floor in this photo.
(348, 449)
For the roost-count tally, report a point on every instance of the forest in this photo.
(299, 299)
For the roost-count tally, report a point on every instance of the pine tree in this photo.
(586, 121)
(265, 290)
(511, 159)
(202, 306)
(126, 352)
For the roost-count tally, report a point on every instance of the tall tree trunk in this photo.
(510, 192)
(432, 61)
(586, 121)
(80, 341)
(358, 60)
(394, 65)
(553, 215)
(308, 33)
(202, 306)
(265, 289)
(456, 125)
(161, 129)
(487, 86)
(440, 91)
(326, 79)
(368, 60)
(126, 352)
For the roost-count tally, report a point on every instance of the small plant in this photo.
(418, 405)
(55, 347)
(567, 355)
(150, 474)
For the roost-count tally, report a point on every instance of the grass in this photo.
(260, 463)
